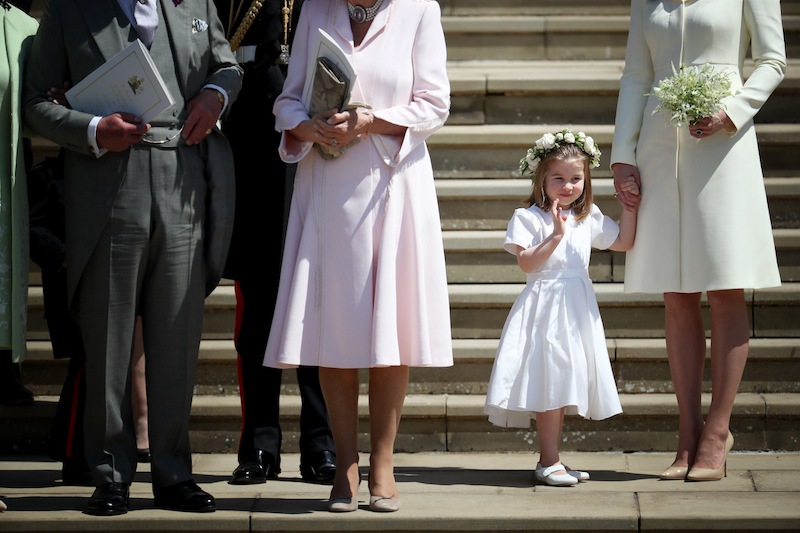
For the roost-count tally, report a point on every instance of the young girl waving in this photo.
(552, 358)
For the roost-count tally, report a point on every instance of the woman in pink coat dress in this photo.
(704, 223)
(363, 282)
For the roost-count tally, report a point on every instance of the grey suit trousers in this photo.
(149, 261)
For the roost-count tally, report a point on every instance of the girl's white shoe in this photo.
(580, 474)
(546, 476)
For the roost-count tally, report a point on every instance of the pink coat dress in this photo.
(363, 279)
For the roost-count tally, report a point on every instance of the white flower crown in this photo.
(552, 141)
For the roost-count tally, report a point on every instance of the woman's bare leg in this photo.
(686, 351)
(387, 394)
(730, 337)
(340, 389)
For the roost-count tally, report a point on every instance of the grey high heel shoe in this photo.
(343, 505)
(384, 504)
(346, 504)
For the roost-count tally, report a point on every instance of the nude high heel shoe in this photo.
(713, 474)
(674, 472)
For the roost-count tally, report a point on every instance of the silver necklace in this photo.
(360, 14)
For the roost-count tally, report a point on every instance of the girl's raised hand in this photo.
(559, 219)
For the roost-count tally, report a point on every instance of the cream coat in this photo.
(703, 221)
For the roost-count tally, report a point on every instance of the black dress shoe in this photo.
(143, 456)
(260, 469)
(108, 500)
(319, 468)
(186, 496)
(14, 393)
(76, 472)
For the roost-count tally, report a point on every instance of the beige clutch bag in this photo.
(331, 89)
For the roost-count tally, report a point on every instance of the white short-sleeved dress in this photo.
(552, 352)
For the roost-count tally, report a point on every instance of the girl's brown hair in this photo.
(580, 207)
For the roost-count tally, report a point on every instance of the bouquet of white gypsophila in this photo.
(551, 141)
(691, 93)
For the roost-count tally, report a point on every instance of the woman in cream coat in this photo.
(703, 221)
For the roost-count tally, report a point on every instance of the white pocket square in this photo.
(199, 25)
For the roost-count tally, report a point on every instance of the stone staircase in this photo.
(519, 68)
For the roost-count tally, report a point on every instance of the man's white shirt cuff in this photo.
(91, 137)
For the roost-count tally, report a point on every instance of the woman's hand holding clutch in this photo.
(311, 130)
(344, 129)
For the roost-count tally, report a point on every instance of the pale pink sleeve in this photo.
(430, 100)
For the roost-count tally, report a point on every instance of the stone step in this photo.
(545, 7)
(478, 311)
(487, 204)
(499, 147)
(535, 7)
(503, 95)
(441, 492)
(640, 367)
(521, 7)
(566, 91)
(554, 37)
(479, 257)
(456, 423)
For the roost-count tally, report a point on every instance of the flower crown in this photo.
(553, 141)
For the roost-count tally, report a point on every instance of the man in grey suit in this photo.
(149, 210)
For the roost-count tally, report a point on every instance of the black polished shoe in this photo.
(256, 471)
(108, 499)
(186, 496)
(76, 472)
(143, 456)
(319, 468)
(14, 393)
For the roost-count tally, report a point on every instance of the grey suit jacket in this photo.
(77, 36)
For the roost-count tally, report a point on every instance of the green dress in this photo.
(16, 34)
